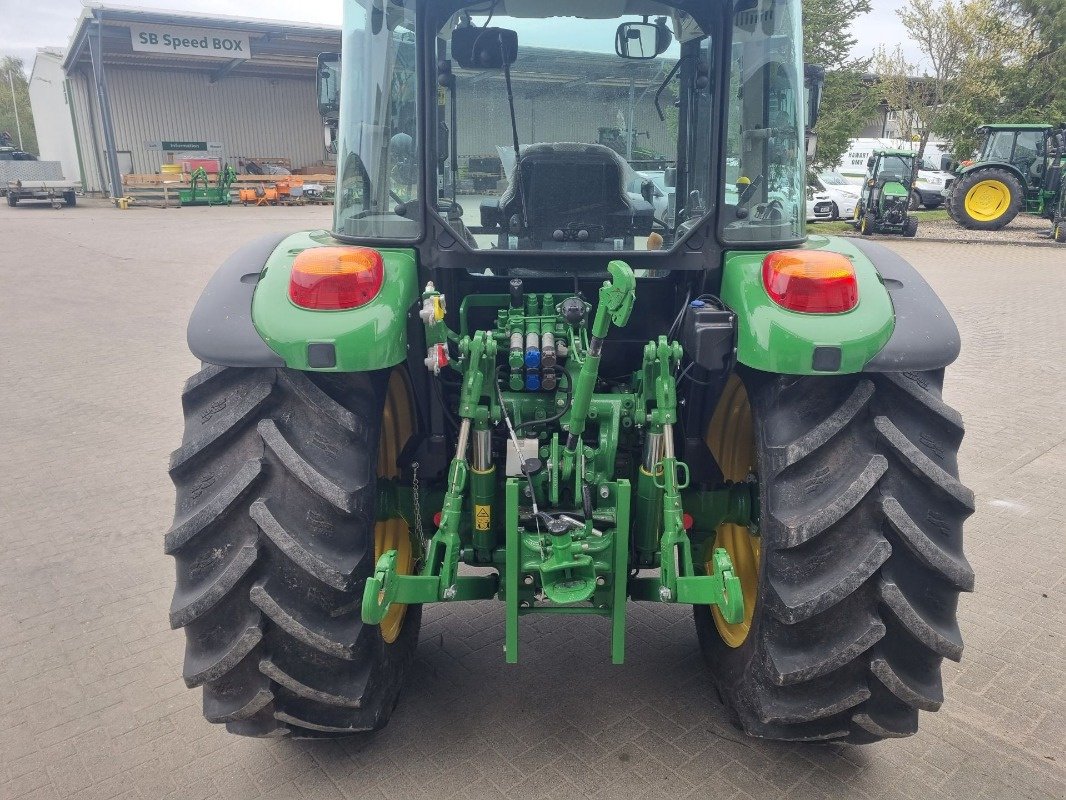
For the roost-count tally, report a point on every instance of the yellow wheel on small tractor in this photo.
(397, 425)
(731, 439)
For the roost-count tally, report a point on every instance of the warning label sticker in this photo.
(482, 518)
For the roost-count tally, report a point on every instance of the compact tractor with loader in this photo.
(590, 404)
(1017, 168)
(884, 203)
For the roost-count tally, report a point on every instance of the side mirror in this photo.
(329, 86)
(642, 40)
(945, 163)
(670, 177)
(870, 164)
(647, 191)
(813, 80)
(811, 141)
(484, 48)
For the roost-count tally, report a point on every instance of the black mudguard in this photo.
(925, 336)
(220, 328)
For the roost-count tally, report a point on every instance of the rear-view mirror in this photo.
(642, 40)
(484, 48)
(813, 80)
(329, 86)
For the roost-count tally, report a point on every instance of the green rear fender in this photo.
(373, 336)
(774, 339)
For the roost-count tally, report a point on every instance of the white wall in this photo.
(51, 114)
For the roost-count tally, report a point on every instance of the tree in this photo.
(944, 35)
(991, 60)
(846, 100)
(13, 67)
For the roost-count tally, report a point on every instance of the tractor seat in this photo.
(575, 198)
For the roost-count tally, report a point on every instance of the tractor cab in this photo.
(492, 129)
(884, 201)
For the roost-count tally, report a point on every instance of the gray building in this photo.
(144, 88)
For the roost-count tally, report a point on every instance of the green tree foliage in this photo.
(846, 100)
(1008, 75)
(950, 42)
(14, 67)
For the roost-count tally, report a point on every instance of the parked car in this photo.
(843, 194)
(819, 206)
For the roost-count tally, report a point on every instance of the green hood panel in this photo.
(774, 339)
(373, 336)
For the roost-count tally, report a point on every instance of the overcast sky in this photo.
(26, 25)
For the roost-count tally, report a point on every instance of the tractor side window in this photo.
(764, 188)
(1028, 150)
(1000, 144)
(378, 156)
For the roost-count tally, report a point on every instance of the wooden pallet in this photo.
(158, 196)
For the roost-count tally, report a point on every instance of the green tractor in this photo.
(580, 406)
(1013, 170)
(884, 203)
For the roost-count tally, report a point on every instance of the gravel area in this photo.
(1025, 229)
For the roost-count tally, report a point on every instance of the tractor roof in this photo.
(889, 152)
(1015, 126)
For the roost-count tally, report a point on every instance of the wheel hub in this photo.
(987, 200)
(731, 438)
(394, 533)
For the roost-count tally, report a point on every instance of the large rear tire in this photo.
(986, 199)
(274, 536)
(852, 581)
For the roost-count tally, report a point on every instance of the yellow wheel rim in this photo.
(397, 424)
(731, 438)
(987, 200)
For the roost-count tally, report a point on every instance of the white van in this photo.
(932, 184)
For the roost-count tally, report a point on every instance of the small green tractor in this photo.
(570, 402)
(884, 203)
(1017, 168)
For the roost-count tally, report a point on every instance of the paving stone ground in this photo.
(93, 304)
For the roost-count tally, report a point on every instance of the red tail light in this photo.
(335, 278)
(811, 281)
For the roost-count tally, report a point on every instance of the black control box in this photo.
(709, 334)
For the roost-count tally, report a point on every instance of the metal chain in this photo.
(418, 505)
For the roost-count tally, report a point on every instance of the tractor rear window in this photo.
(585, 145)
